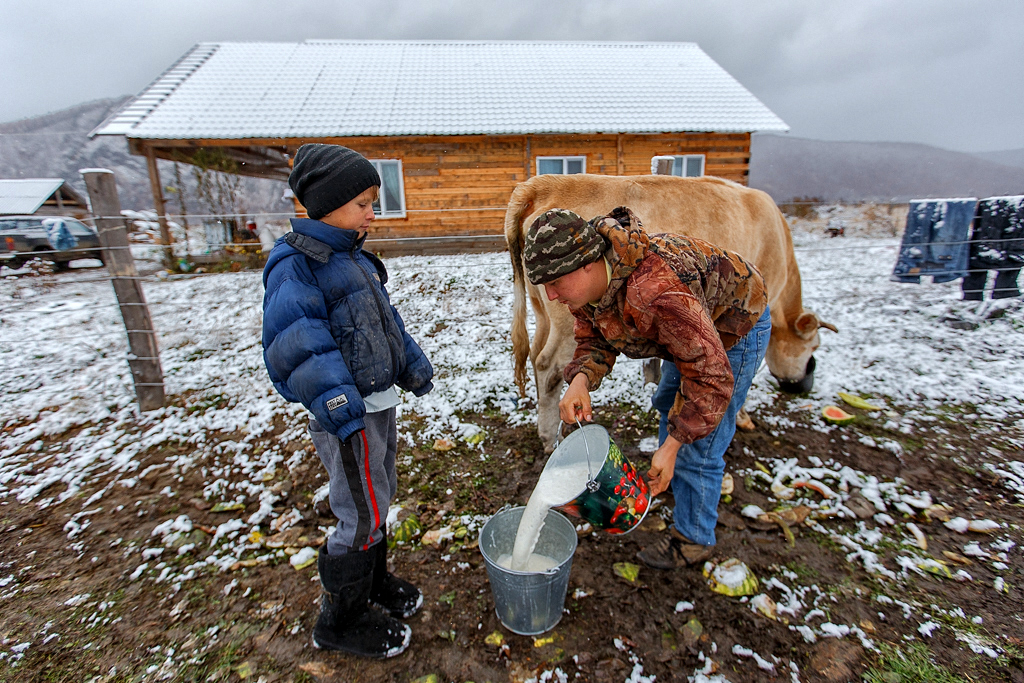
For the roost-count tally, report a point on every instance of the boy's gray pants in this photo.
(363, 480)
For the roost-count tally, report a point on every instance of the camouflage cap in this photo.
(559, 242)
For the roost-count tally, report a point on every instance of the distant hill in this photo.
(57, 145)
(787, 168)
(1011, 157)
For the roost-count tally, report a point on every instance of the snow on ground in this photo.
(63, 354)
(63, 367)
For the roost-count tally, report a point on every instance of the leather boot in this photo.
(673, 550)
(397, 597)
(346, 621)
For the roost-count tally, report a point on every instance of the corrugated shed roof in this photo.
(25, 196)
(321, 89)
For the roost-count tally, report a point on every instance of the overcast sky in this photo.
(939, 72)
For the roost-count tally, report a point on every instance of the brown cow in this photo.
(719, 211)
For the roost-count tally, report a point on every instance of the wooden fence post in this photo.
(143, 355)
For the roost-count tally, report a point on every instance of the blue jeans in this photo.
(697, 481)
(935, 241)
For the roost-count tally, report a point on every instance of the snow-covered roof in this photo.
(322, 88)
(25, 196)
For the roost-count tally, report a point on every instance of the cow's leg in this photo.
(549, 391)
(548, 367)
(743, 421)
(652, 371)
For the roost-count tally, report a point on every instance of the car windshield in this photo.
(77, 227)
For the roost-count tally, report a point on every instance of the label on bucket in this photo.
(621, 500)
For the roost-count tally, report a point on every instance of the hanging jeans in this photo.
(935, 241)
(697, 480)
(997, 243)
(1005, 286)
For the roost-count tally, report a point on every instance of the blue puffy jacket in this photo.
(330, 333)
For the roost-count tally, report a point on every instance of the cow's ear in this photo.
(806, 326)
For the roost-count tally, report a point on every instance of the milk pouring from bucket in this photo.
(587, 476)
(615, 497)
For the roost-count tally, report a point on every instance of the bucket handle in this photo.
(592, 484)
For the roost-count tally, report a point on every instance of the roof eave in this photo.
(136, 136)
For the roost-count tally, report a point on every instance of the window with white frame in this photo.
(688, 165)
(391, 201)
(561, 165)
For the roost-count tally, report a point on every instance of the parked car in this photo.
(22, 236)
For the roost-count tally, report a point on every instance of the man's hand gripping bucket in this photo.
(615, 497)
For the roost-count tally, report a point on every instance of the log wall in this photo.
(459, 185)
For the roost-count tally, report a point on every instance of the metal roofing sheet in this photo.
(25, 196)
(321, 89)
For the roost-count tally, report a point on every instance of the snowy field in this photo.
(915, 348)
(63, 351)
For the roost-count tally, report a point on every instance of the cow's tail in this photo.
(519, 206)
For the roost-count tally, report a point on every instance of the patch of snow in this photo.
(762, 663)
(648, 444)
(303, 556)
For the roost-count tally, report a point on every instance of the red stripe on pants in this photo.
(369, 485)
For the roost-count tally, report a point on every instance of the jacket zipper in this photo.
(380, 312)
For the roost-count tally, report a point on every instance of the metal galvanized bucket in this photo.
(528, 603)
(617, 497)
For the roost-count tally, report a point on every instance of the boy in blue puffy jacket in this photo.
(333, 341)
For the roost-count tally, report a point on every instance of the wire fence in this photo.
(500, 321)
(857, 248)
(796, 249)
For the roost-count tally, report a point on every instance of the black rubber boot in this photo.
(346, 621)
(397, 597)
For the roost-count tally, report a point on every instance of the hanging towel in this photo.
(58, 234)
(997, 242)
(935, 241)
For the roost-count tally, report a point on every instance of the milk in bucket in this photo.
(556, 486)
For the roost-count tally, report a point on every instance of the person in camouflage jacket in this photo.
(701, 308)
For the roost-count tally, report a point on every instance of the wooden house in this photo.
(451, 125)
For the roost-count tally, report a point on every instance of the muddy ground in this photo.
(253, 623)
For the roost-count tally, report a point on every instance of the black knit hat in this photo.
(325, 177)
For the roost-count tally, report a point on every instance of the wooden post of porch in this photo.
(143, 354)
(160, 205)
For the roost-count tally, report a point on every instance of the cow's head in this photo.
(790, 352)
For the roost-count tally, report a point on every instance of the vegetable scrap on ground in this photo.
(179, 544)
